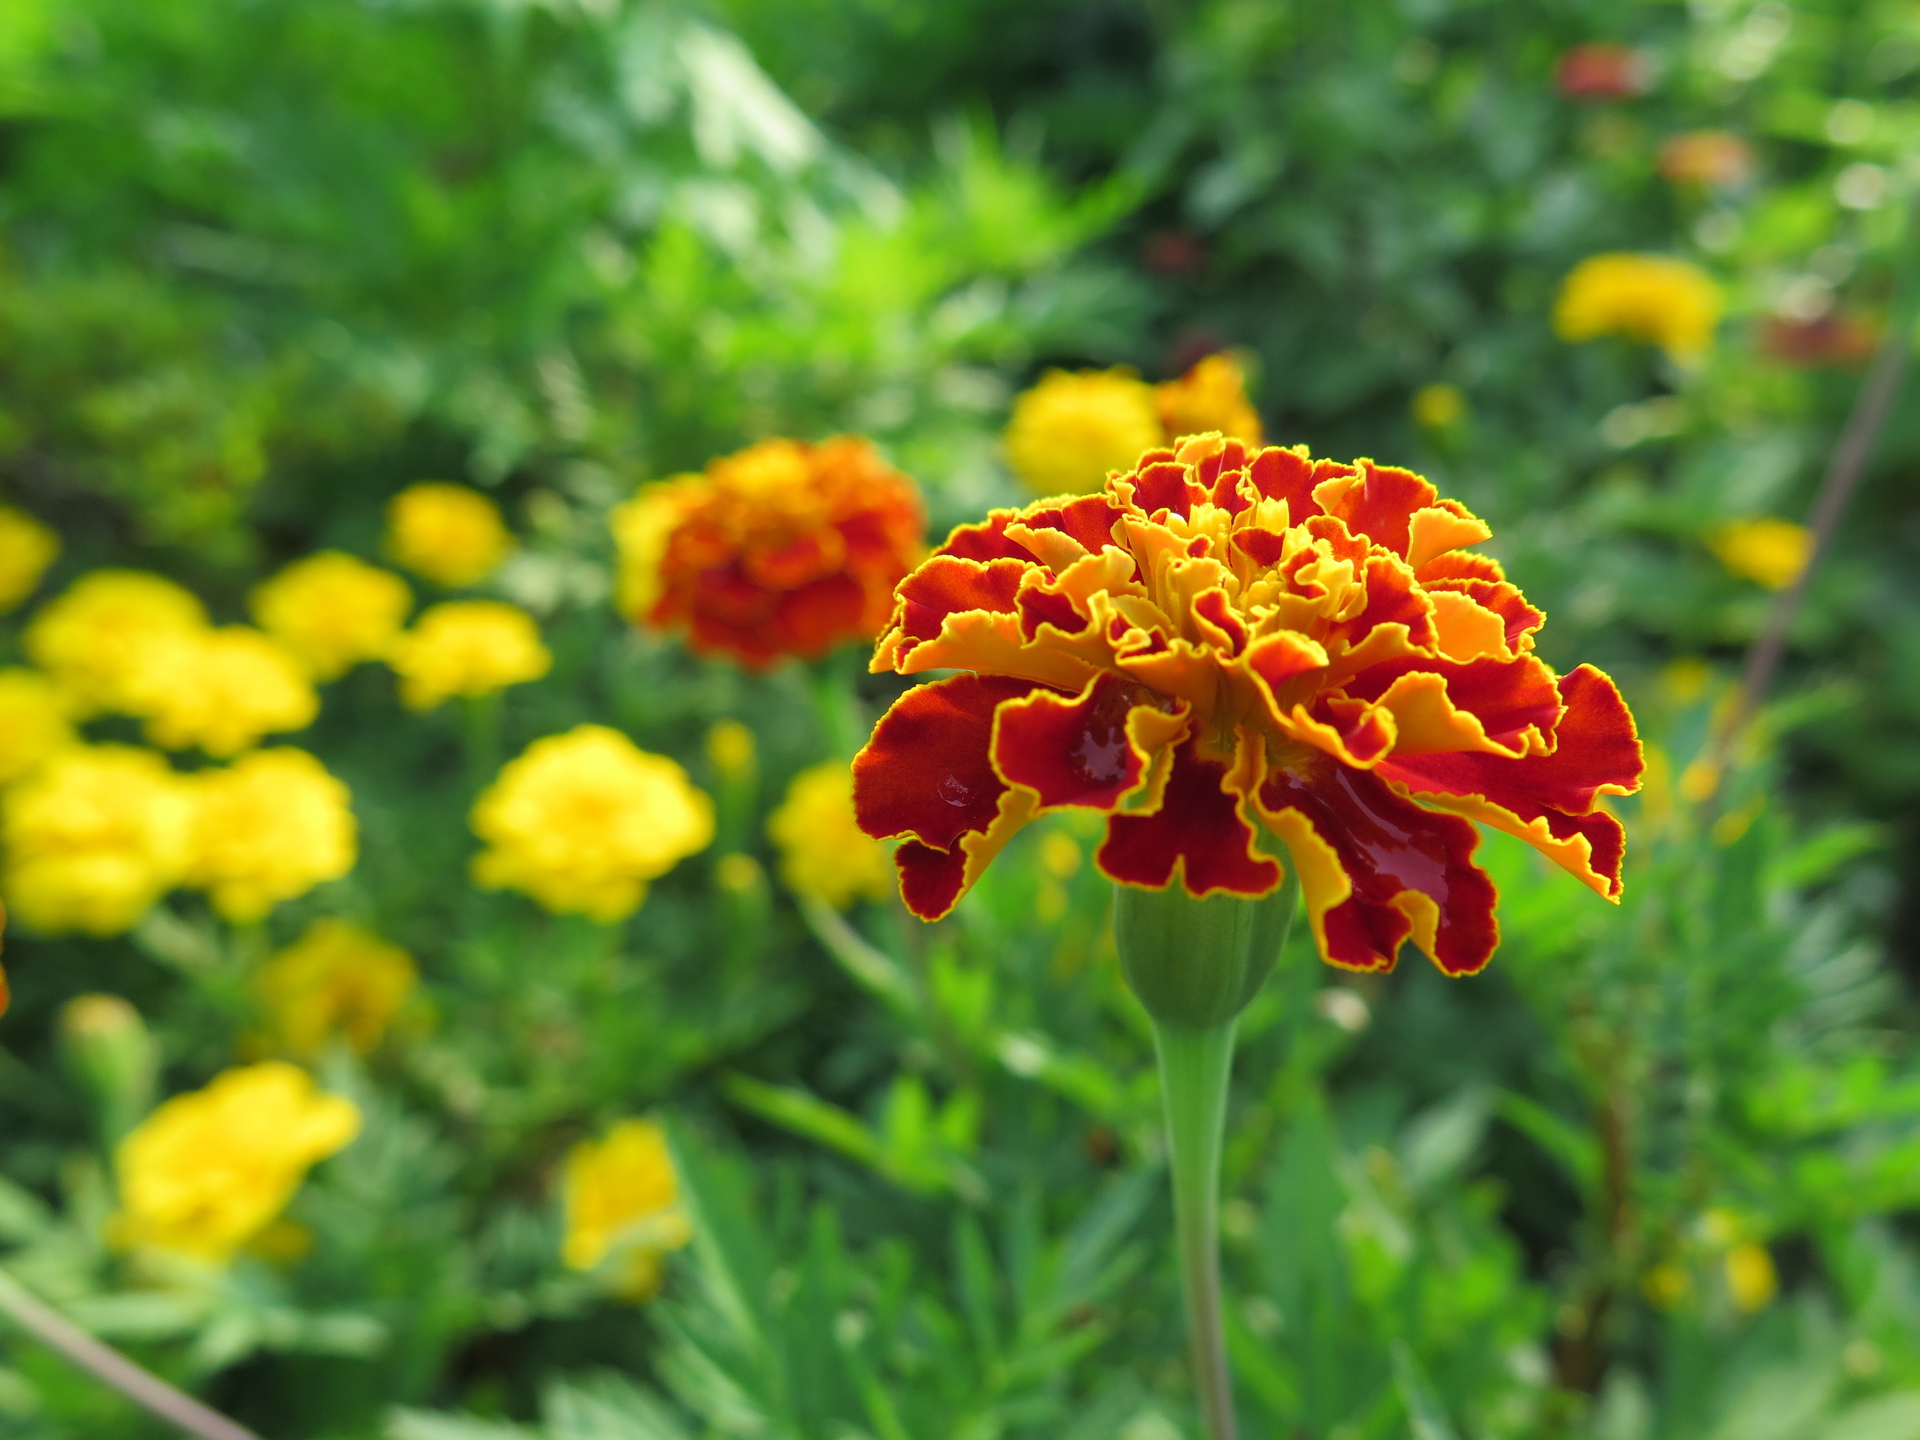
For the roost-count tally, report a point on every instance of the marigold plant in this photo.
(1231, 648)
(583, 821)
(209, 1170)
(1765, 549)
(1652, 298)
(1070, 430)
(621, 1197)
(783, 549)
(332, 611)
(27, 548)
(36, 721)
(93, 838)
(335, 980)
(96, 637)
(467, 648)
(221, 690)
(823, 851)
(1210, 396)
(450, 534)
(266, 829)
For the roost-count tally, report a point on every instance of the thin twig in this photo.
(112, 1368)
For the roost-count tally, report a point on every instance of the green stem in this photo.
(480, 739)
(1195, 1066)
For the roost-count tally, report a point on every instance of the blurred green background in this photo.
(264, 263)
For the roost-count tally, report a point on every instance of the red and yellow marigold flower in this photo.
(784, 549)
(1241, 656)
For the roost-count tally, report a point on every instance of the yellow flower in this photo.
(823, 851)
(469, 648)
(95, 638)
(93, 838)
(268, 828)
(1766, 550)
(730, 746)
(1751, 1279)
(1068, 431)
(1654, 298)
(448, 533)
(1210, 396)
(35, 721)
(209, 1170)
(582, 821)
(621, 1197)
(334, 980)
(1438, 407)
(26, 549)
(332, 611)
(222, 690)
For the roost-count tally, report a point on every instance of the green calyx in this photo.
(1195, 964)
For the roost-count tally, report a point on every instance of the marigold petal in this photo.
(1443, 526)
(1378, 502)
(1464, 629)
(1093, 750)
(1200, 833)
(1440, 705)
(945, 585)
(986, 540)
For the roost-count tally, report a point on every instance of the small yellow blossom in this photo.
(222, 690)
(27, 548)
(1069, 430)
(730, 746)
(621, 1196)
(643, 530)
(582, 821)
(448, 533)
(823, 851)
(1652, 298)
(268, 828)
(1438, 407)
(1751, 1279)
(209, 1170)
(1768, 551)
(332, 611)
(96, 637)
(1686, 679)
(93, 838)
(1667, 1285)
(1210, 396)
(1060, 855)
(35, 721)
(468, 648)
(336, 979)
(739, 874)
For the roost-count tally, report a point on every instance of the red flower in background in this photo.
(784, 549)
(1602, 71)
(1237, 654)
(1829, 339)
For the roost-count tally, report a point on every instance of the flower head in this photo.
(268, 828)
(467, 648)
(1706, 157)
(622, 1201)
(27, 548)
(36, 721)
(583, 821)
(823, 851)
(1602, 71)
(222, 690)
(93, 838)
(207, 1171)
(332, 610)
(782, 549)
(1653, 298)
(95, 639)
(1438, 406)
(1236, 655)
(1210, 396)
(452, 535)
(336, 979)
(1766, 550)
(1068, 431)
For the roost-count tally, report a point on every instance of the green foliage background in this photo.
(264, 263)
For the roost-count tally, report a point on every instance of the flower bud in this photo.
(1195, 964)
(106, 1047)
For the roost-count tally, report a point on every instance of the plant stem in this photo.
(1194, 1069)
(480, 739)
(109, 1366)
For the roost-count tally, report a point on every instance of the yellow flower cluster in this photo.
(95, 639)
(93, 838)
(335, 980)
(332, 611)
(209, 1170)
(582, 821)
(468, 648)
(27, 548)
(35, 722)
(621, 1197)
(1652, 298)
(823, 851)
(1210, 396)
(452, 535)
(1768, 551)
(268, 828)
